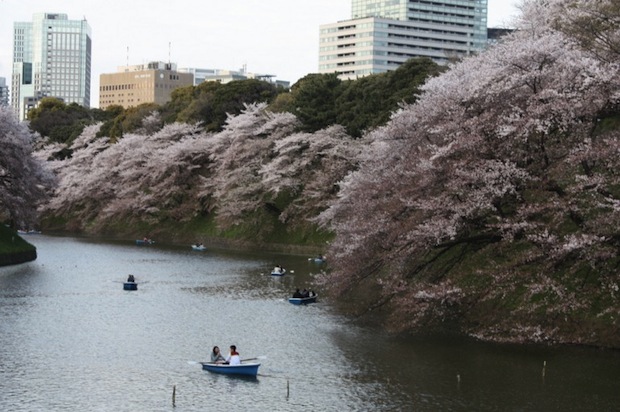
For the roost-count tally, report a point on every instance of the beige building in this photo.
(145, 83)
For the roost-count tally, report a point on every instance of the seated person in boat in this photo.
(233, 356)
(297, 294)
(305, 293)
(130, 278)
(216, 356)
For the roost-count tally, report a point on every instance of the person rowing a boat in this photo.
(130, 278)
(233, 357)
(216, 356)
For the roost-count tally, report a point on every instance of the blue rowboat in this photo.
(140, 242)
(245, 369)
(130, 286)
(303, 301)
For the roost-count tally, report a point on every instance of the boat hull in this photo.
(245, 369)
(278, 273)
(141, 242)
(130, 286)
(198, 248)
(302, 301)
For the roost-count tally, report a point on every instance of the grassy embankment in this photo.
(14, 249)
(260, 230)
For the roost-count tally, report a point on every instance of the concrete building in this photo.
(494, 35)
(226, 76)
(382, 35)
(4, 92)
(51, 57)
(144, 83)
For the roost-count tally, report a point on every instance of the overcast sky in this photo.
(279, 37)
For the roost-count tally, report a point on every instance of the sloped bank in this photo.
(13, 249)
(8, 259)
(269, 235)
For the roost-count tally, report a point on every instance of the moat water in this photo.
(71, 339)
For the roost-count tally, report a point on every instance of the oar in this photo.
(256, 358)
(191, 362)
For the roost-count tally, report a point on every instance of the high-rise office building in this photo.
(51, 57)
(4, 92)
(382, 35)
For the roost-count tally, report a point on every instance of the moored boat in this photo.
(199, 247)
(303, 301)
(244, 369)
(28, 232)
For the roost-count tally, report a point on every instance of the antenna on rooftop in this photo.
(127, 64)
(169, 47)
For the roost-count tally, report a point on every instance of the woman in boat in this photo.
(233, 357)
(216, 356)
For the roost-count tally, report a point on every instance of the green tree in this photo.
(212, 102)
(182, 98)
(120, 121)
(315, 100)
(60, 122)
(368, 102)
(362, 103)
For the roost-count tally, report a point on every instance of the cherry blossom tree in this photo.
(23, 179)
(238, 153)
(504, 152)
(308, 167)
(139, 176)
(181, 172)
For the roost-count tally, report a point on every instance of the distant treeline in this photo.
(318, 101)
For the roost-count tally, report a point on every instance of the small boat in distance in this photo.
(244, 369)
(318, 259)
(303, 301)
(199, 247)
(278, 271)
(130, 286)
(145, 241)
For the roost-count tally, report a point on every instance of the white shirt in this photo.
(234, 360)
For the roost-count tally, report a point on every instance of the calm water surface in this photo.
(72, 340)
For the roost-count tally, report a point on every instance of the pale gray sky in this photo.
(277, 37)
